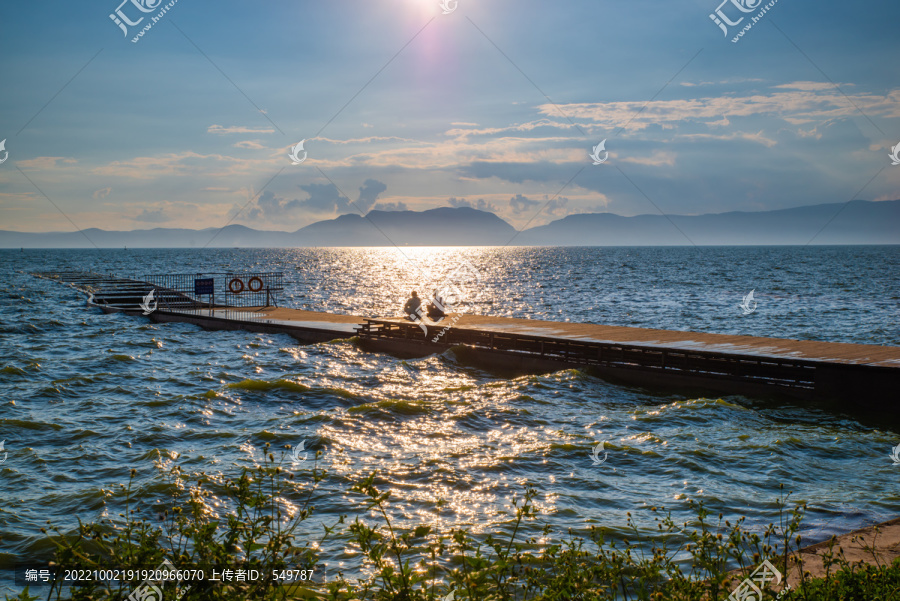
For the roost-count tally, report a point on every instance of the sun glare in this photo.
(422, 8)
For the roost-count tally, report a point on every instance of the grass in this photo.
(703, 560)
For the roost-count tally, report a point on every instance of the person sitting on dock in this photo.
(436, 309)
(413, 307)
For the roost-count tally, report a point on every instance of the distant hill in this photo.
(436, 227)
(857, 222)
(232, 235)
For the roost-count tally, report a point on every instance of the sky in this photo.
(496, 104)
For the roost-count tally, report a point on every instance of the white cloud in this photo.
(758, 137)
(811, 103)
(238, 129)
(810, 85)
(44, 162)
(250, 144)
(657, 159)
(102, 193)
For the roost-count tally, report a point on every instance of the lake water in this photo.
(87, 396)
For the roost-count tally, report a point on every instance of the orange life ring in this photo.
(236, 286)
(250, 284)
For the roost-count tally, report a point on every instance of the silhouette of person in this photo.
(413, 307)
(436, 309)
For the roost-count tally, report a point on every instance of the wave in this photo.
(265, 385)
(30, 425)
(392, 406)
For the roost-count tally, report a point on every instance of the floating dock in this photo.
(868, 376)
(857, 376)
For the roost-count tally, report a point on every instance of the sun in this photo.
(421, 9)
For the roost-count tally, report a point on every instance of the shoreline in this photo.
(878, 544)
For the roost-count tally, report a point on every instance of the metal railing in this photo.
(226, 290)
(781, 372)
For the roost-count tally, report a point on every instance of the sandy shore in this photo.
(876, 545)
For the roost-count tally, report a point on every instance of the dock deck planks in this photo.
(838, 352)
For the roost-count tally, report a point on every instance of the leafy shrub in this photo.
(698, 561)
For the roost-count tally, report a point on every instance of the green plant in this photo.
(702, 560)
(256, 533)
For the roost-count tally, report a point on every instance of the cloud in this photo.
(391, 206)
(251, 144)
(357, 141)
(450, 154)
(463, 133)
(480, 204)
(175, 164)
(729, 82)
(154, 216)
(271, 207)
(238, 129)
(758, 137)
(521, 203)
(602, 206)
(557, 205)
(657, 159)
(44, 162)
(321, 198)
(368, 194)
(518, 173)
(553, 206)
(806, 102)
(810, 85)
(102, 193)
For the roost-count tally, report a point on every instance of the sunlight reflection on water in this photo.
(88, 396)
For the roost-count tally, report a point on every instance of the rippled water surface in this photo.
(86, 396)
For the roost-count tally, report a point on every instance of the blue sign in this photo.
(204, 286)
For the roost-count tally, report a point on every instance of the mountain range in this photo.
(856, 222)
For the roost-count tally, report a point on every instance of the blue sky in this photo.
(495, 105)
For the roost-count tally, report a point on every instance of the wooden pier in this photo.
(856, 376)
(867, 376)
